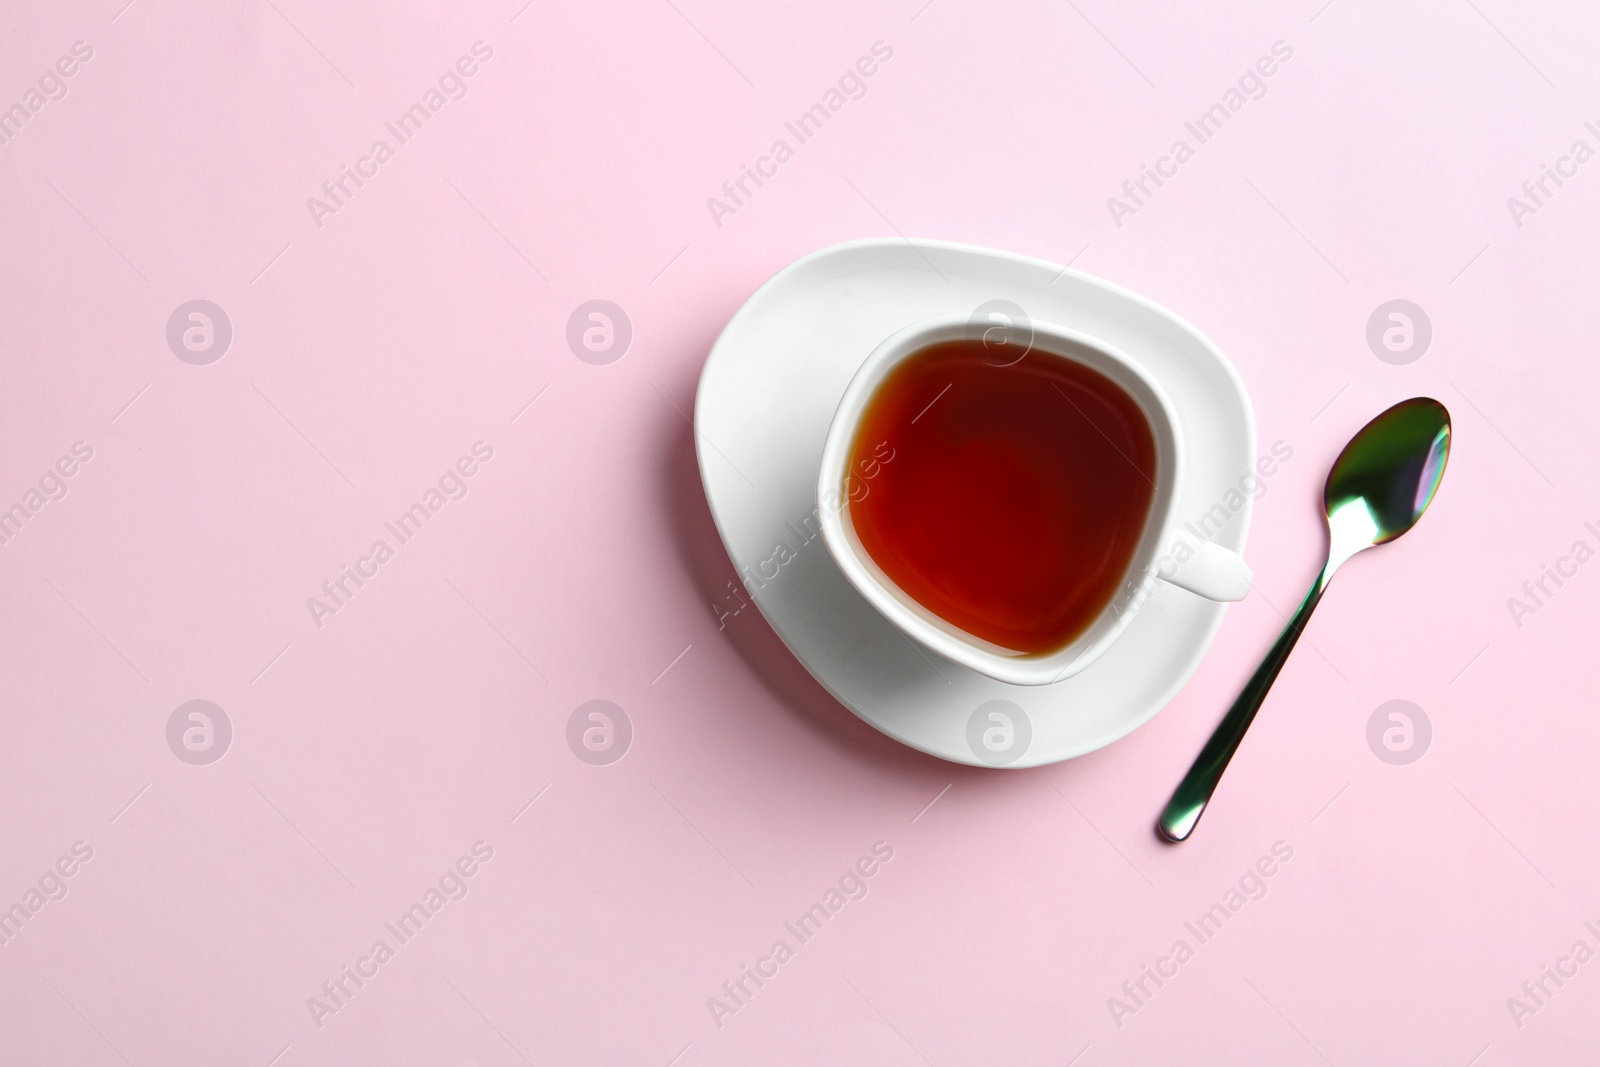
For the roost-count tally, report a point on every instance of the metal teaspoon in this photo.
(1377, 490)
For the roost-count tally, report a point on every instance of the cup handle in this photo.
(1206, 569)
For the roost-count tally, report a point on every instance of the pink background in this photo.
(368, 354)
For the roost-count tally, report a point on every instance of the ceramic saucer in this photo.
(766, 397)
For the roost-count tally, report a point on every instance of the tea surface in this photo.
(1017, 494)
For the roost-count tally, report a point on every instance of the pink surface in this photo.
(372, 753)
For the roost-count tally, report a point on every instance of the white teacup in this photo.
(1164, 553)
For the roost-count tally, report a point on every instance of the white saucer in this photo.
(766, 397)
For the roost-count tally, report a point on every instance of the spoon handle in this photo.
(1190, 798)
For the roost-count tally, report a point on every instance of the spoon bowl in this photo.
(1391, 469)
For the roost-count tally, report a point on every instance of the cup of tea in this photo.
(1008, 501)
